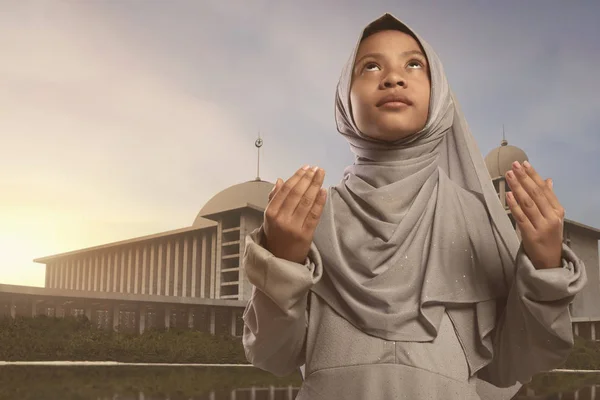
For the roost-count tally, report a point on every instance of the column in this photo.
(90, 283)
(103, 272)
(290, 392)
(167, 317)
(96, 280)
(109, 271)
(168, 271)
(122, 280)
(115, 323)
(129, 277)
(213, 265)
(191, 318)
(78, 274)
(593, 330)
(218, 258)
(185, 265)
(33, 308)
(61, 273)
(152, 261)
(253, 393)
(136, 280)
(144, 266)
(194, 265)
(159, 278)
(203, 267)
(53, 276)
(116, 265)
(232, 394)
(88, 312)
(142, 318)
(176, 266)
(233, 315)
(13, 308)
(576, 327)
(271, 392)
(212, 321)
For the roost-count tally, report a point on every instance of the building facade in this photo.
(191, 277)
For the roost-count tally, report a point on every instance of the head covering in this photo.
(415, 227)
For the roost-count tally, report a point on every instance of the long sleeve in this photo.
(534, 332)
(276, 316)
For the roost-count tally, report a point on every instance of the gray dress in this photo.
(288, 326)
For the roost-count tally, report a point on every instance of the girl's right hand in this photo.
(293, 213)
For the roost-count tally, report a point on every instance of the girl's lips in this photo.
(393, 105)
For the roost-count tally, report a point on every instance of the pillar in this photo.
(253, 393)
(593, 330)
(115, 317)
(233, 315)
(290, 392)
(191, 318)
(88, 312)
(13, 309)
(271, 392)
(142, 319)
(232, 395)
(212, 321)
(576, 326)
(167, 318)
(33, 308)
(211, 395)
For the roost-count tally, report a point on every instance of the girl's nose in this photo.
(393, 79)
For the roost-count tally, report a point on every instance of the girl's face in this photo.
(390, 86)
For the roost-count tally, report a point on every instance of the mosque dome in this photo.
(253, 194)
(499, 160)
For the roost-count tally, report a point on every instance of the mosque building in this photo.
(191, 277)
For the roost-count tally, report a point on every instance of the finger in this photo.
(545, 185)
(275, 189)
(534, 190)
(280, 196)
(526, 203)
(312, 219)
(306, 202)
(523, 223)
(296, 195)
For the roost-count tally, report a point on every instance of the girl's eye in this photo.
(413, 64)
(371, 66)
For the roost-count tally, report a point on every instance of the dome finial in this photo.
(504, 142)
(258, 144)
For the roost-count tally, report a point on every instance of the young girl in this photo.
(407, 280)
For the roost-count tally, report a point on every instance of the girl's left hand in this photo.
(538, 214)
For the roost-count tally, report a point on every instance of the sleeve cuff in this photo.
(285, 282)
(550, 284)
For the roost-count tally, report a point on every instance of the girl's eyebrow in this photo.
(403, 54)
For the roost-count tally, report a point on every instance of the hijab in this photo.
(415, 228)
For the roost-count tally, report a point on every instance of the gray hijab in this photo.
(415, 228)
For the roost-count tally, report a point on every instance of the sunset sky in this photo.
(121, 118)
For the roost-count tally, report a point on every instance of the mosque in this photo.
(191, 277)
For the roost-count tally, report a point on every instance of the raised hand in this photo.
(293, 213)
(538, 214)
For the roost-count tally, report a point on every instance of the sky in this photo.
(121, 118)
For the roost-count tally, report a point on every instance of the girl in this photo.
(407, 280)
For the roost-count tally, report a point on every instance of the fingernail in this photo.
(551, 184)
(516, 165)
(510, 175)
(306, 167)
(315, 168)
(526, 164)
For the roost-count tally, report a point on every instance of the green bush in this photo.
(76, 339)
